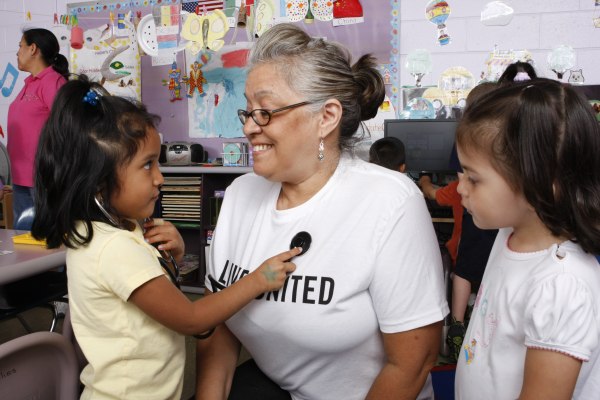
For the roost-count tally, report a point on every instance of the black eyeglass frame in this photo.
(243, 114)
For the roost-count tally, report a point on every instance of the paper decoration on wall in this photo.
(347, 12)
(418, 64)
(497, 13)
(264, 16)
(114, 62)
(174, 82)
(576, 77)
(322, 10)
(8, 80)
(215, 115)
(196, 80)
(498, 60)
(596, 18)
(437, 12)
(456, 82)
(440, 101)
(418, 108)
(201, 6)
(147, 36)
(561, 59)
(205, 32)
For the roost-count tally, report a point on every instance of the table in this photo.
(26, 260)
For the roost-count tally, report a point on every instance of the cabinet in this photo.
(190, 199)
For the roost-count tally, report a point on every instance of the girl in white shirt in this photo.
(530, 158)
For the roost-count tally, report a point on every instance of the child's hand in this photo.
(163, 232)
(271, 275)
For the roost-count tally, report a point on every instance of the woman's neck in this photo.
(37, 68)
(295, 194)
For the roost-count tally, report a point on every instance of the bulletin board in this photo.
(210, 116)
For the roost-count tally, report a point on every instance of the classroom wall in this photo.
(537, 26)
(12, 20)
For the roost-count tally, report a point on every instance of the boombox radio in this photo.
(182, 153)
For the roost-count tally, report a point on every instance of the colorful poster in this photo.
(218, 92)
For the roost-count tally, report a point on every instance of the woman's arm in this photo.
(216, 360)
(410, 356)
(163, 302)
(549, 375)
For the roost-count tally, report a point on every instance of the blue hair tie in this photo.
(91, 97)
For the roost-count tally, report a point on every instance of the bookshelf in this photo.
(190, 199)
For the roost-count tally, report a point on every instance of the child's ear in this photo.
(402, 168)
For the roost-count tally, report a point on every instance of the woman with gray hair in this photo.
(361, 315)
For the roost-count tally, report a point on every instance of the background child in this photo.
(128, 317)
(529, 153)
(389, 153)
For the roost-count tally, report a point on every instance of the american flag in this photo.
(202, 5)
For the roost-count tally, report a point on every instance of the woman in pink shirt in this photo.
(39, 55)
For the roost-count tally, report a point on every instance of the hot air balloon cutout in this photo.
(437, 13)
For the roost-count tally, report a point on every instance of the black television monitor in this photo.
(428, 143)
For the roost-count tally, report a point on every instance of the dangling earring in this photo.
(321, 150)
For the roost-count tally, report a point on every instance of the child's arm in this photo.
(428, 188)
(160, 231)
(549, 375)
(162, 301)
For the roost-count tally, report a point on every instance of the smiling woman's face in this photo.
(286, 149)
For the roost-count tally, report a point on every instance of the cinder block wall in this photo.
(537, 26)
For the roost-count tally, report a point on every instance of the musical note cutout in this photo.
(10, 70)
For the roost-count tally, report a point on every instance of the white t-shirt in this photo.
(374, 265)
(130, 355)
(531, 300)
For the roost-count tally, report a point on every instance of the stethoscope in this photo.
(165, 258)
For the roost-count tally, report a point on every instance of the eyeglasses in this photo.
(263, 117)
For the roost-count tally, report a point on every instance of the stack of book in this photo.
(181, 203)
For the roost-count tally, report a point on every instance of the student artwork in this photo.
(321, 10)
(440, 101)
(437, 12)
(158, 33)
(596, 18)
(498, 60)
(112, 61)
(264, 16)
(456, 82)
(418, 64)
(224, 78)
(347, 12)
(196, 80)
(63, 35)
(496, 13)
(205, 32)
(576, 77)
(174, 82)
(418, 108)
(561, 59)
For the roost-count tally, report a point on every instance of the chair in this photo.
(40, 365)
(25, 220)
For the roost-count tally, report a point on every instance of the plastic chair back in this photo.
(25, 220)
(40, 365)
